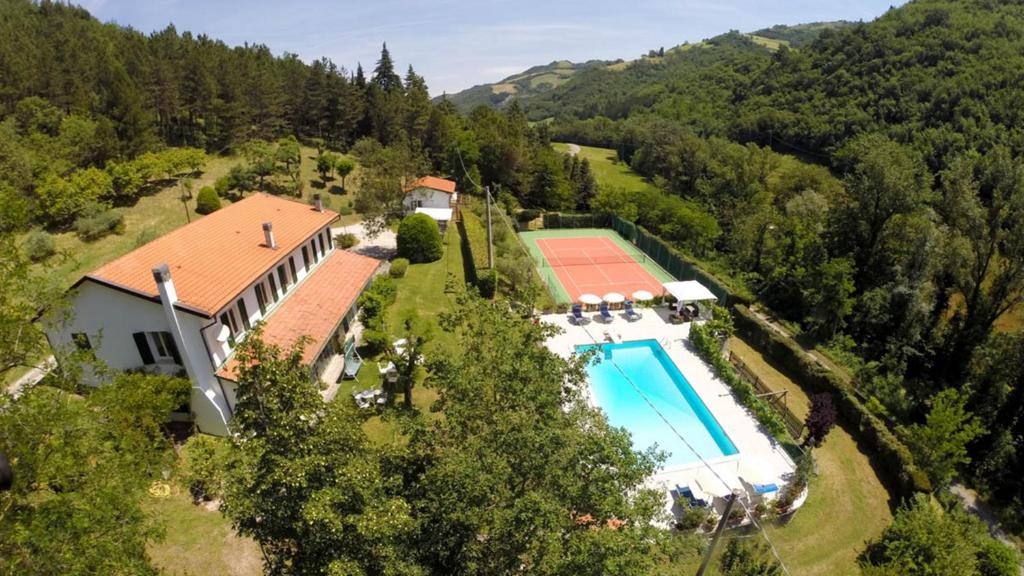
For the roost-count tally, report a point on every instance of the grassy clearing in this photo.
(608, 171)
(769, 43)
(198, 541)
(421, 290)
(336, 196)
(847, 505)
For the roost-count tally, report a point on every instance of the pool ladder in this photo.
(665, 343)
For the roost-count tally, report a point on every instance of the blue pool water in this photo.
(653, 372)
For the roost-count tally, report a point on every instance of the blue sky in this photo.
(455, 44)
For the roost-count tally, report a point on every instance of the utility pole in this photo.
(490, 236)
(729, 502)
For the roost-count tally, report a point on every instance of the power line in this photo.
(746, 510)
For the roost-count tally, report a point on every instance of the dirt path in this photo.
(32, 376)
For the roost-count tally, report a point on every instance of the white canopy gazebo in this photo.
(441, 215)
(688, 291)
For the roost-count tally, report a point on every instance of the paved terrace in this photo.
(759, 459)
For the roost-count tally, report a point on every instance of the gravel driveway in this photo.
(382, 247)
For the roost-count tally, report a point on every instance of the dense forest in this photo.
(894, 239)
(902, 249)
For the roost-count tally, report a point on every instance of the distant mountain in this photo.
(541, 80)
(522, 86)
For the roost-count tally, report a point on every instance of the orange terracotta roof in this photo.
(316, 307)
(215, 258)
(432, 182)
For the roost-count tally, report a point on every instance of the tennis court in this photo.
(594, 261)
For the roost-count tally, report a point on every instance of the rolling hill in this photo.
(543, 79)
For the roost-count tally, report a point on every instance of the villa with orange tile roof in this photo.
(433, 196)
(183, 302)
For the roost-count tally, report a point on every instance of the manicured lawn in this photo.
(199, 542)
(847, 505)
(421, 290)
(607, 170)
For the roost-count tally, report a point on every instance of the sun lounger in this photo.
(605, 314)
(686, 494)
(631, 313)
(577, 315)
(353, 362)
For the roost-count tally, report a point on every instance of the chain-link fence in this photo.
(667, 257)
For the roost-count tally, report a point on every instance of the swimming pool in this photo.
(651, 370)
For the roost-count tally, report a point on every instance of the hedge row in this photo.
(709, 349)
(475, 235)
(897, 464)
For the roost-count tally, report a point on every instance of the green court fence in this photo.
(561, 220)
(669, 258)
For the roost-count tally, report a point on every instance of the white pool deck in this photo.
(759, 459)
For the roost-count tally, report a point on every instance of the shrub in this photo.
(708, 348)
(419, 239)
(146, 235)
(398, 267)
(203, 459)
(207, 201)
(97, 221)
(488, 283)
(39, 245)
(374, 341)
(346, 240)
(222, 186)
(692, 518)
(528, 214)
(345, 211)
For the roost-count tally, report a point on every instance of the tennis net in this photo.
(591, 260)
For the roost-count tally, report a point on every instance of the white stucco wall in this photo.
(427, 197)
(110, 317)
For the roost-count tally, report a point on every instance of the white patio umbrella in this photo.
(642, 296)
(592, 299)
(614, 298)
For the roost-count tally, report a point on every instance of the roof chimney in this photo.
(318, 202)
(268, 235)
(162, 277)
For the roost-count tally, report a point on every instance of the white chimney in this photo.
(162, 277)
(318, 202)
(268, 235)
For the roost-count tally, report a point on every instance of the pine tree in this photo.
(384, 75)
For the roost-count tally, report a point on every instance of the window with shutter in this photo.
(305, 258)
(261, 299)
(142, 344)
(244, 313)
(291, 266)
(273, 287)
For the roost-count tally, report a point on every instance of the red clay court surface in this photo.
(596, 265)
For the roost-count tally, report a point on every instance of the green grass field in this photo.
(847, 504)
(198, 541)
(421, 290)
(608, 171)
